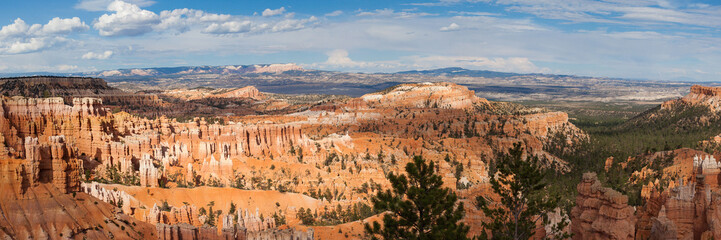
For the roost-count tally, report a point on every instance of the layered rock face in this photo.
(76, 87)
(182, 223)
(708, 96)
(246, 92)
(276, 68)
(82, 123)
(52, 163)
(601, 213)
(56, 163)
(88, 130)
(41, 86)
(51, 214)
(541, 124)
(713, 216)
(249, 92)
(148, 173)
(426, 95)
(684, 207)
(49, 137)
(184, 214)
(688, 212)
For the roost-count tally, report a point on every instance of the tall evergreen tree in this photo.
(520, 184)
(418, 207)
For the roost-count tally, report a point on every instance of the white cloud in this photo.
(229, 27)
(98, 56)
(18, 29)
(272, 12)
(131, 20)
(102, 5)
(292, 24)
(20, 37)
(452, 27)
(66, 68)
(58, 25)
(653, 14)
(334, 13)
(32, 45)
(128, 20)
(182, 20)
(377, 12)
(614, 11)
(338, 59)
(246, 26)
(390, 13)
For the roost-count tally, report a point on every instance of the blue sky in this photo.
(648, 39)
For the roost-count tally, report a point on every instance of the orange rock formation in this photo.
(328, 156)
(601, 213)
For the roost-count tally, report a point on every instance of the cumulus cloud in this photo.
(20, 37)
(102, 5)
(182, 20)
(32, 45)
(131, 20)
(18, 28)
(247, 26)
(128, 20)
(272, 12)
(67, 25)
(98, 56)
(56, 26)
(452, 27)
(339, 59)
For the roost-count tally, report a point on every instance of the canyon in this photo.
(247, 177)
(101, 162)
(680, 187)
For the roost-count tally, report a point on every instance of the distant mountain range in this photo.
(226, 70)
(166, 71)
(288, 68)
(457, 71)
(293, 79)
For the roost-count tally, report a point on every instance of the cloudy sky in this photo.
(648, 39)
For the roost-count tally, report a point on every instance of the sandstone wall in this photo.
(601, 213)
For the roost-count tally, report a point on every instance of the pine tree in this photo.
(232, 211)
(521, 186)
(418, 207)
